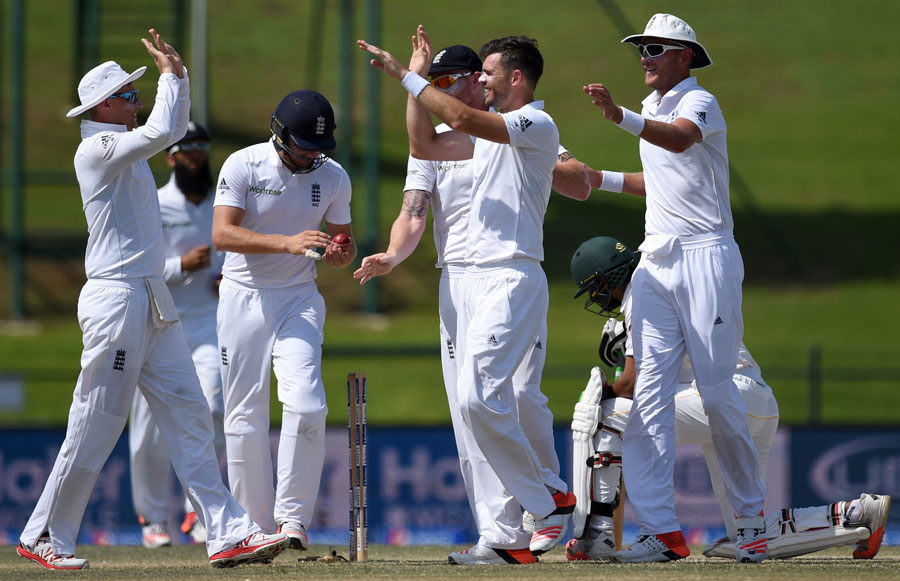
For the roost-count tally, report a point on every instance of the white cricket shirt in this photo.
(185, 226)
(687, 193)
(118, 192)
(511, 188)
(276, 201)
(450, 185)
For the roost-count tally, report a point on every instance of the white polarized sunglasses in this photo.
(655, 49)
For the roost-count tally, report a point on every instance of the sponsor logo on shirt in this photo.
(701, 116)
(171, 225)
(223, 185)
(265, 191)
(413, 172)
(453, 165)
(315, 195)
(718, 321)
(493, 340)
(524, 123)
(224, 355)
(450, 353)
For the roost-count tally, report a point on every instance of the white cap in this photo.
(673, 28)
(100, 82)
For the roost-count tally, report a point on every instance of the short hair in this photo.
(517, 52)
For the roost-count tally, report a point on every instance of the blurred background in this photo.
(808, 89)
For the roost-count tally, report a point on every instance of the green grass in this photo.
(389, 562)
(809, 101)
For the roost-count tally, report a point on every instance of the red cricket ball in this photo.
(341, 239)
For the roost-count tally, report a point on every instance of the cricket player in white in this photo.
(186, 206)
(271, 200)
(687, 292)
(132, 336)
(504, 296)
(603, 268)
(448, 187)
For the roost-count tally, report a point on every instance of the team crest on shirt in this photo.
(701, 116)
(524, 123)
(315, 195)
(106, 140)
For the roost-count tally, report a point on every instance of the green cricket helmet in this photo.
(600, 266)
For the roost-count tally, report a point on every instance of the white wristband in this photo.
(613, 181)
(413, 83)
(632, 122)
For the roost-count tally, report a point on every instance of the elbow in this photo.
(461, 119)
(219, 240)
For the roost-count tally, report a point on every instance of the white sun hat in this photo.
(673, 28)
(100, 82)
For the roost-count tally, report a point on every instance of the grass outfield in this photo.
(431, 563)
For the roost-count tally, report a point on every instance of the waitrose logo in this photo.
(266, 191)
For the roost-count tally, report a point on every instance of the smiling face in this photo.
(667, 70)
(495, 82)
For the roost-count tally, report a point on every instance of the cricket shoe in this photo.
(751, 545)
(600, 549)
(255, 548)
(154, 535)
(550, 530)
(192, 527)
(874, 509)
(722, 548)
(296, 535)
(655, 549)
(483, 555)
(528, 522)
(43, 555)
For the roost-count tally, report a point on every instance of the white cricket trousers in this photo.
(686, 299)
(123, 349)
(147, 451)
(504, 310)
(497, 514)
(692, 427)
(262, 329)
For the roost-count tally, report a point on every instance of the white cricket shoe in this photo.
(550, 530)
(154, 535)
(42, 554)
(874, 508)
(600, 549)
(751, 545)
(655, 549)
(483, 555)
(528, 522)
(296, 535)
(723, 548)
(192, 527)
(255, 548)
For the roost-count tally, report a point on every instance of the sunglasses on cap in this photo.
(655, 49)
(131, 96)
(190, 146)
(447, 81)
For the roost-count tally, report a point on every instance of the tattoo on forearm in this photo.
(415, 203)
(565, 156)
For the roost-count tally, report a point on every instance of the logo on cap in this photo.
(437, 57)
(320, 125)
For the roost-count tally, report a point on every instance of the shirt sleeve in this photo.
(702, 109)
(231, 189)
(420, 175)
(531, 129)
(338, 211)
(172, 271)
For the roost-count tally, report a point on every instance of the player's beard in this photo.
(196, 182)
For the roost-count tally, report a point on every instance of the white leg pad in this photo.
(801, 543)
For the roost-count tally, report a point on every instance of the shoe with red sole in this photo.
(255, 548)
(874, 509)
(42, 554)
(550, 530)
(600, 549)
(484, 555)
(655, 549)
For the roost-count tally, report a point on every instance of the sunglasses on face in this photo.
(654, 50)
(190, 146)
(447, 81)
(131, 96)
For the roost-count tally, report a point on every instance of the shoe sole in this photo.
(266, 553)
(297, 543)
(504, 557)
(26, 554)
(868, 548)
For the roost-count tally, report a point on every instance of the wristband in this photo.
(613, 181)
(413, 83)
(632, 122)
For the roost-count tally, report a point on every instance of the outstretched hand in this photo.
(420, 61)
(604, 100)
(372, 266)
(166, 58)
